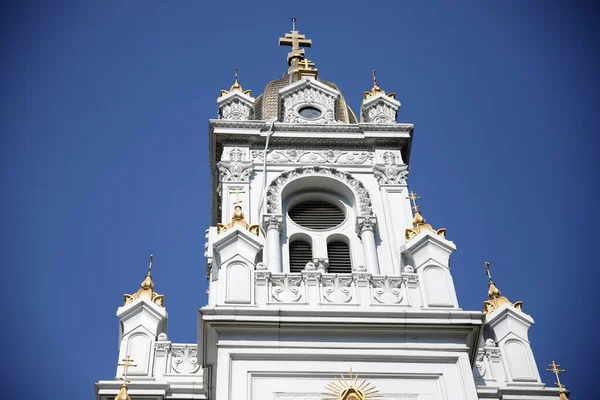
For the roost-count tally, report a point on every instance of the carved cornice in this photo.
(274, 190)
(284, 127)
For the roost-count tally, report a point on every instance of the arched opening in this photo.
(340, 261)
(300, 253)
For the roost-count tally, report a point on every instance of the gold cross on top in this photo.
(554, 368)
(127, 362)
(237, 193)
(295, 40)
(413, 196)
(487, 271)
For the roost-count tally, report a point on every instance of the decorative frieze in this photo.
(286, 288)
(336, 289)
(185, 359)
(387, 290)
(305, 156)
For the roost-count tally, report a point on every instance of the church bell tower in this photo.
(321, 264)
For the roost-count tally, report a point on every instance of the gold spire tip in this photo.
(236, 87)
(496, 300)
(419, 223)
(147, 289)
(237, 217)
(375, 90)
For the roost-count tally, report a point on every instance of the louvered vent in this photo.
(316, 215)
(300, 254)
(339, 258)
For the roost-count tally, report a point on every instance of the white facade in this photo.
(270, 333)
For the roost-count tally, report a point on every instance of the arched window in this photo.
(300, 254)
(338, 253)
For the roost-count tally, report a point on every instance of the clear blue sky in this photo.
(104, 110)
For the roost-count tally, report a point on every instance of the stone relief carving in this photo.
(337, 289)
(274, 190)
(309, 96)
(235, 169)
(286, 288)
(380, 113)
(387, 290)
(390, 172)
(235, 110)
(299, 156)
(365, 224)
(272, 222)
(185, 360)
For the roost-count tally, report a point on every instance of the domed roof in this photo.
(267, 104)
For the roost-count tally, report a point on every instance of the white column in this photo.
(271, 225)
(365, 228)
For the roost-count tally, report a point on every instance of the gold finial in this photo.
(147, 289)
(554, 367)
(236, 87)
(494, 294)
(419, 223)
(237, 217)
(349, 389)
(295, 40)
(127, 362)
(376, 89)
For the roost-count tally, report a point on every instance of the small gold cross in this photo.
(554, 368)
(413, 196)
(127, 362)
(237, 193)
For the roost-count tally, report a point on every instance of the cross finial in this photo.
(374, 78)
(237, 193)
(413, 196)
(487, 271)
(127, 362)
(554, 367)
(295, 40)
(150, 266)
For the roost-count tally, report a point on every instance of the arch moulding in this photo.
(275, 189)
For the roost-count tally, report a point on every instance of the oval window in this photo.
(317, 214)
(309, 112)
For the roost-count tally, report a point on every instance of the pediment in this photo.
(308, 101)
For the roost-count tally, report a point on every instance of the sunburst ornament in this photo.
(348, 389)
